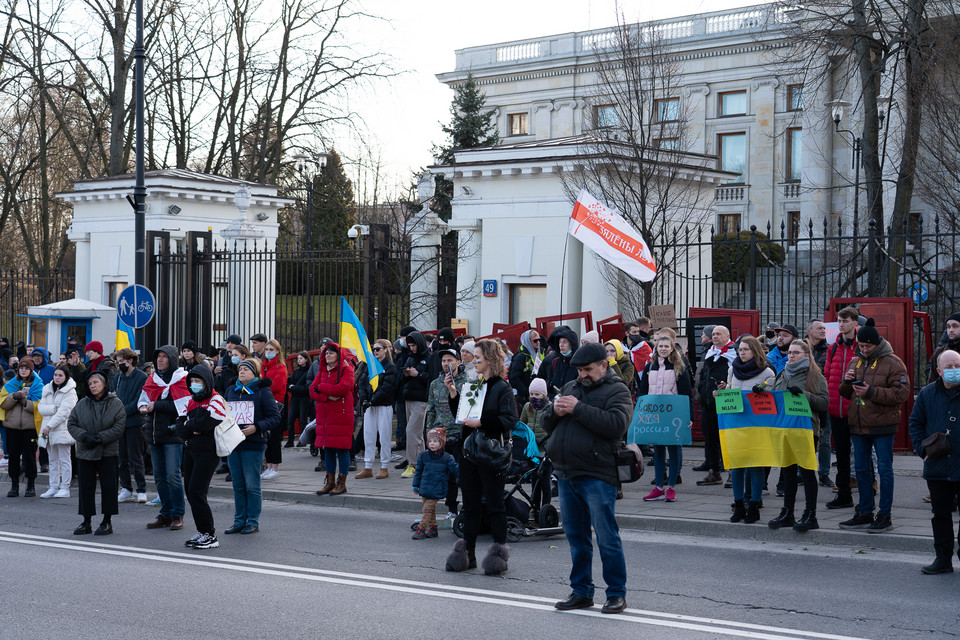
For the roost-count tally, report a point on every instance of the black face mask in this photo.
(770, 335)
(124, 367)
(634, 340)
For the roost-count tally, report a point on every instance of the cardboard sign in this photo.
(729, 401)
(796, 405)
(661, 419)
(663, 315)
(242, 411)
(763, 404)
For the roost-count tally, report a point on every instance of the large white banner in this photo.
(611, 237)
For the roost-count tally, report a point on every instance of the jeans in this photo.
(863, 447)
(841, 442)
(334, 457)
(198, 469)
(245, 469)
(943, 495)
(659, 461)
(587, 502)
(376, 421)
(752, 475)
(166, 473)
(88, 471)
(823, 450)
(131, 459)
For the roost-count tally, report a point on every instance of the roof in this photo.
(75, 308)
(179, 174)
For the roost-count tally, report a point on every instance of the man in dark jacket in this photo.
(586, 424)
(400, 410)
(444, 341)
(166, 448)
(128, 385)
(936, 410)
(41, 364)
(416, 384)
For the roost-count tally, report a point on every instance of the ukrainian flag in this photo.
(124, 335)
(748, 440)
(353, 337)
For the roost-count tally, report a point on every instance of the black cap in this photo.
(789, 328)
(588, 354)
(234, 339)
(259, 337)
(868, 333)
(953, 316)
(449, 352)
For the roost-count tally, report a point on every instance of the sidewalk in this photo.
(701, 511)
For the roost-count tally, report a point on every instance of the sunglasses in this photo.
(537, 341)
(375, 349)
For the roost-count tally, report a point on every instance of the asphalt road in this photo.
(321, 572)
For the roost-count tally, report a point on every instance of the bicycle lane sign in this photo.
(136, 306)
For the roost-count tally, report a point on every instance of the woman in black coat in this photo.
(497, 417)
(298, 388)
(377, 409)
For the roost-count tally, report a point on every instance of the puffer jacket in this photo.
(533, 418)
(584, 443)
(266, 413)
(276, 372)
(386, 393)
(777, 359)
(55, 406)
(416, 388)
(818, 401)
(332, 390)
(103, 418)
(659, 378)
(932, 411)
(433, 473)
(839, 355)
(879, 412)
(21, 415)
(205, 412)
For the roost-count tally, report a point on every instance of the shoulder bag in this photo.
(492, 454)
(227, 434)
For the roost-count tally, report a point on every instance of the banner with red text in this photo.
(611, 237)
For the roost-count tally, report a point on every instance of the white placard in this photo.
(242, 411)
(466, 408)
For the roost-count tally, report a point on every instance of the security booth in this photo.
(51, 325)
(894, 318)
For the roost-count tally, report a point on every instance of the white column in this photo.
(762, 145)
(81, 265)
(469, 270)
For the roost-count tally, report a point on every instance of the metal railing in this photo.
(19, 289)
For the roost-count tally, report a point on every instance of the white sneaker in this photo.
(49, 493)
(125, 495)
(141, 498)
(263, 476)
(5, 461)
(63, 493)
(270, 474)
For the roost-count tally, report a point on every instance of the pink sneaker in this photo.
(670, 495)
(656, 494)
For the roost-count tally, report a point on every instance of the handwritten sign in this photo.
(729, 401)
(661, 419)
(242, 411)
(796, 405)
(833, 330)
(663, 315)
(763, 404)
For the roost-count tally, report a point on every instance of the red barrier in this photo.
(611, 328)
(547, 324)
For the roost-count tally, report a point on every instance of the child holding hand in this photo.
(434, 467)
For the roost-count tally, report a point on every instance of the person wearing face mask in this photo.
(556, 368)
(770, 333)
(206, 409)
(952, 344)
(128, 386)
(97, 362)
(801, 375)
(534, 411)
(466, 357)
(636, 339)
(620, 362)
(274, 369)
(936, 411)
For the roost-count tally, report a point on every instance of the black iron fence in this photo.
(19, 289)
(207, 290)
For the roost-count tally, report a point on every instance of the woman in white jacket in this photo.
(56, 403)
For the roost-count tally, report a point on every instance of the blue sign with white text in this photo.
(661, 420)
(490, 288)
(136, 306)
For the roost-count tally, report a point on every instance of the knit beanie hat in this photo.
(438, 433)
(954, 316)
(26, 362)
(538, 385)
(190, 345)
(252, 365)
(591, 337)
(94, 345)
(469, 346)
(868, 333)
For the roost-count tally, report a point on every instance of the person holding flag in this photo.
(377, 403)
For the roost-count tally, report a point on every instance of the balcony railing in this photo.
(731, 194)
(791, 190)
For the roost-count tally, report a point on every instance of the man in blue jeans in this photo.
(586, 424)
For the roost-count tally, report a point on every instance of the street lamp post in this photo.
(302, 161)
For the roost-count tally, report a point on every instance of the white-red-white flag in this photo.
(611, 237)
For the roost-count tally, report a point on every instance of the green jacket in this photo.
(438, 405)
(534, 419)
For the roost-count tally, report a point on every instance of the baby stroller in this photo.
(529, 511)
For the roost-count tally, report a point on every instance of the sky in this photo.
(403, 116)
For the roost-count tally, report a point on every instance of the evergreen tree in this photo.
(334, 208)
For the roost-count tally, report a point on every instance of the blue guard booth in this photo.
(51, 325)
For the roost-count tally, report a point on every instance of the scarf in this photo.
(723, 352)
(15, 384)
(745, 370)
(250, 387)
(793, 368)
(214, 404)
(156, 389)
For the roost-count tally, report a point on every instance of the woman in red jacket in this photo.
(332, 390)
(275, 370)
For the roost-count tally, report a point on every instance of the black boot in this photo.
(739, 512)
(14, 489)
(31, 491)
(807, 522)
(785, 519)
(753, 513)
(943, 564)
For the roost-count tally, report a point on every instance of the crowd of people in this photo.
(111, 420)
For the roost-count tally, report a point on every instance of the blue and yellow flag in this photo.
(124, 335)
(767, 440)
(353, 337)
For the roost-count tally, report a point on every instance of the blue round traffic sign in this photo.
(919, 293)
(136, 306)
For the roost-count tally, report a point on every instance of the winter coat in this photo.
(499, 411)
(226, 378)
(204, 413)
(522, 368)
(266, 413)
(433, 473)
(584, 443)
(879, 412)
(556, 368)
(108, 368)
(297, 384)
(534, 419)
(159, 425)
(128, 388)
(45, 370)
(415, 388)
(21, 414)
(820, 354)
(332, 390)
(932, 412)
(103, 418)
(55, 407)
(715, 369)
(777, 359)
(622, 366)
(276, 372)
(659, 379)
(386, 393)
(932, 375)
(819, 401)
(839, 355)
(767, 375)
(438, 405)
